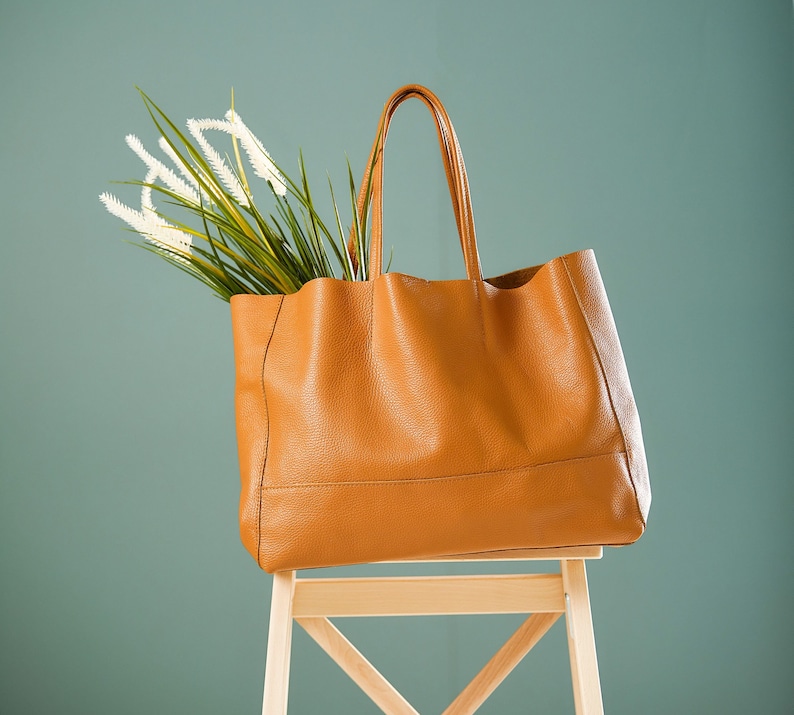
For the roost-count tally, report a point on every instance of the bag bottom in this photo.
(587, 501)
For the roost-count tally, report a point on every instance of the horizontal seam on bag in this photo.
(474, 475)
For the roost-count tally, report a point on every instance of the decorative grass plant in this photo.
(214, 231)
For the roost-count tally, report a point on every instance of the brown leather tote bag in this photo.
(399, 418)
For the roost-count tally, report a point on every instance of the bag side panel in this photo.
(253, 322)
(586, 280)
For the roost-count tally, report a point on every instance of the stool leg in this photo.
(279, 642)
(581, 640)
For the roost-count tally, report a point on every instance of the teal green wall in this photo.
(661, 134)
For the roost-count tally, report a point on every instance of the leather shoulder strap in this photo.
(455, 170)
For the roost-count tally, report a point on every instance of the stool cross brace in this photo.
(312, 601)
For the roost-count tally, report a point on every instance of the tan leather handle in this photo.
(456, 178)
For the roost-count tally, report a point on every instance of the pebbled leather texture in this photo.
(400, 418)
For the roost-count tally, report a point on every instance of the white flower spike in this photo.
(257, 154)
(197, 127)
(174, 157)
(159, 170)
(149, 224)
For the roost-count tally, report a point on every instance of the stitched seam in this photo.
(370, 318)
(479, 298)
(606, 383)
(267, 439)
(474, 475)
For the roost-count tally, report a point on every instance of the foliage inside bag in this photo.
(214, 230)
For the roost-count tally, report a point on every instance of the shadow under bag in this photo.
(401, 418)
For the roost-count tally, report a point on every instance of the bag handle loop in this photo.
(455, 170)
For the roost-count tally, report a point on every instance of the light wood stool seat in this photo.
(312, 601)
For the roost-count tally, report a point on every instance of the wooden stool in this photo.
(311, 601)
